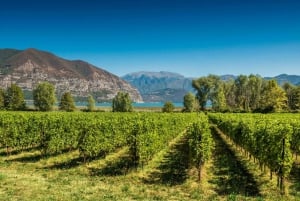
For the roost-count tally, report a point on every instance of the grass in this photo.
(227, 176)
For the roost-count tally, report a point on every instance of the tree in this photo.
(14, 98)
(203, 85)
(168, 107)
(67, 102)
(242, 93)
(219, 100)
(293, 96)
(229, 91)
(189, 102)
(122, 103)
(91, 103)
(210, 88)
(2, 97)
(273, 97)
(44, 96)
(255, 84)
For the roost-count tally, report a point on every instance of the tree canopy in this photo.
(14, 98)
(245, 93)
(189, 102)
(44, 96)
(67, 102)
(2, 99)
(168, 107)
(122, 103)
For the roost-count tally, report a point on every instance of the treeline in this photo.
(44, 99)
(246, 94)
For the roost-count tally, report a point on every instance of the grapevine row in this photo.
(270, 139)
(200, 142)
(92, 134)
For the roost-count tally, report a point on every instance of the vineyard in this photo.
(149, 156)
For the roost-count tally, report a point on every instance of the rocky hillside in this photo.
(160, 86)
(29, 67)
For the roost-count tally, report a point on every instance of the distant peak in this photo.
(31, 50)
(154, 74)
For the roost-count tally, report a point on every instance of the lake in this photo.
(142, 105)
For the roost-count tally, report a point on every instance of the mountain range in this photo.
(29, 67)
(160, 86)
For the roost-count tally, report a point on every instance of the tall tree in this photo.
(294, 102)
(242, 93)
(219, 100)
(122, 103)
(290, 93)
(203, 85)
(14, 98)
(255, 84)
(90, 103)
(67, 102)
(189, 102)
(2, 99)
(273, 97)
(44, 96)
(229, 91)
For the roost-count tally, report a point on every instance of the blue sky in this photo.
(190, 37)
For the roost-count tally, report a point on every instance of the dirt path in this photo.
(229, 174)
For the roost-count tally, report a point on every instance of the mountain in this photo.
(282, 78)
(29, 67)
(160, 86)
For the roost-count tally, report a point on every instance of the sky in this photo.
(191, 37)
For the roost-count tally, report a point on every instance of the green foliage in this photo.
(90, 103)
(295, 103)
(189, 102)
(168, 107)
(211, 89)
(67, 102)
(151, 132)
(242, 98)
(14, 98)
(200, 142)
(2, 99)
(255, 84)
(93, 134)
(44, 96)
(273, 97)
(245, 93)
(122, 103)
(293, 96)
(219, 100)
(269, 138)
(203, 85)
